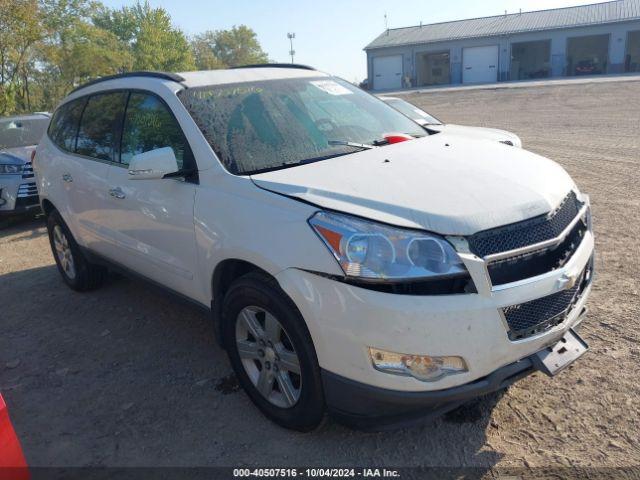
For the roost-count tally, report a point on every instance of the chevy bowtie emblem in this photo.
(567, 281)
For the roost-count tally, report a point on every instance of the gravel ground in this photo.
(128, 376)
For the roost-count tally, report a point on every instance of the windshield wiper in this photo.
(363, 146)
(306, 161)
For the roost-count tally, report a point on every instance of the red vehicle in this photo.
(587, 67)
(13, 465)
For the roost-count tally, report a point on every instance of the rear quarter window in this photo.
(63, 128)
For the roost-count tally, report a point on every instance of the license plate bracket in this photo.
(554, 359)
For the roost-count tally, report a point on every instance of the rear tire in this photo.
(278, 367)
(77, 272)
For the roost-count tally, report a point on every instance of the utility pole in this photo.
(292, 52)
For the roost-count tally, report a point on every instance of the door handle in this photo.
(67, 178)
(117, 193)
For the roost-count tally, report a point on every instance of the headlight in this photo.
(372, 251)
(10, 169)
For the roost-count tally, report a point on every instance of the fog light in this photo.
(421, 367)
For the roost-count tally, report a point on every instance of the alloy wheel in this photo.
(63, 252)
(268, 356)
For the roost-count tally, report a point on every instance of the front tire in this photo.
(272, 353)
(77, 272)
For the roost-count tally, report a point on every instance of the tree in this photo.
(48, 47)
(154, 42)
(203, 47)
(74, 50)
(90, 52)
(228, 48)
(19, 32)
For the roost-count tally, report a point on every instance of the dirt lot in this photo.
(129, 376)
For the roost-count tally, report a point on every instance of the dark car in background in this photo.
(587, 67)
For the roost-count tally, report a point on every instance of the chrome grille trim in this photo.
(538, 262)
(481, 273)
(540, 245)
(27, 190)
(27, 171)
(526, 235)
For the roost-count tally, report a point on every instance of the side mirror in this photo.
(154, 164)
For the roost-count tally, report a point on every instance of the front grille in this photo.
(528, 232)
(538, 262)
(27, 171)
(537, 316)
(27, 190)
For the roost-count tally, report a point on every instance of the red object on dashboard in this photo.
(13, 465)
(397, 137)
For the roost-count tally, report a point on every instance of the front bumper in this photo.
(371, 408)
(365, 407)
(18, 195)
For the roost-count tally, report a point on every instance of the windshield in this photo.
(412, 111)
(22, 132)
(265, 125)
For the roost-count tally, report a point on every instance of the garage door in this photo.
(632, 60)
(387, 72)
(480, 64)
(588, 55)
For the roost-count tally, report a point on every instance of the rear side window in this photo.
(149, 125)
(64, 124)
(99, 132)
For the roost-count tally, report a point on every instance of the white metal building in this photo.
(584, 40)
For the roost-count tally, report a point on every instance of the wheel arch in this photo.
(225, 273)
(47, 207)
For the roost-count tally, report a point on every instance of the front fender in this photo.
(235, 219)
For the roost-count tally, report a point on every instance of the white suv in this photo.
(352, 262)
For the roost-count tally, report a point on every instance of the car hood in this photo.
(443, 183)
(17, 155)
(478, 132)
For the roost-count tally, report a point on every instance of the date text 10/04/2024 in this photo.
(316, 473)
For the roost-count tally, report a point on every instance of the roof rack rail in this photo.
(150, 74)
(276, 65)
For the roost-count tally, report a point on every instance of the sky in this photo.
(330, 34)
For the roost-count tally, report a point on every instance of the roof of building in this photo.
(584, 15)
